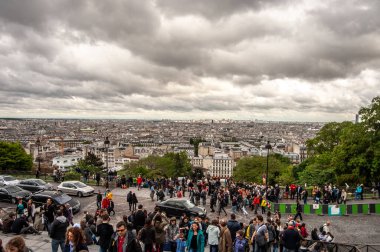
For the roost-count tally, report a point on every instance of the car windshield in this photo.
(188, 204)
(40, 182)
(79, 184)
(62, 198)
(13, 189)
(9, 178)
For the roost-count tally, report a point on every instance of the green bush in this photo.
(72, 175)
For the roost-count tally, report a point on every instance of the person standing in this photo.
(49, 214)
(260, 236)
(171, 232)
(129, 200)
(225, 242)
(58, 232)
(99, 198)
(147, 236)
(234, 226)
(299, 211)
(291, 238)
(123, 240)
(240, 243)
(75, 240)
(139, 219)
(31, 207)
(105, 232)
(139, 182)
(195, 239)
(20, 209)
(97, 178)
(213, 232)
(134, 201)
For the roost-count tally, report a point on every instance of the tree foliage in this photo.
(91, 163)
(253, 169)
(170, 165)
(13, 157)
(345, 152)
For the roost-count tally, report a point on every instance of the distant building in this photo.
(219, 165)
(65, 162)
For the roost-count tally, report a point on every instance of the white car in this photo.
(8, 180)
(75, 188)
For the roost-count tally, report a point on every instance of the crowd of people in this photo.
(141, 230)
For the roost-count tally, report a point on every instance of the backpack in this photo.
(321, 229)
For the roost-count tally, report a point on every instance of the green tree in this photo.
(13, 157)
(252, 169)
(91, 163)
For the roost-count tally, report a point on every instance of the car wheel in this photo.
(13, 200)
(80, 194)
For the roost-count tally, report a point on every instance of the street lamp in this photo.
(268, 147)
(38, 143)
(107, 145)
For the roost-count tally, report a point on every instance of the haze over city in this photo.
(175, 59)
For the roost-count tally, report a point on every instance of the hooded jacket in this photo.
(58, 228)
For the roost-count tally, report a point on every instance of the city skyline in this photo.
(271, 60)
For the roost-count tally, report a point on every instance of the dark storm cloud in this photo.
(161, 55)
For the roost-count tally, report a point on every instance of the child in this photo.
(181, 243)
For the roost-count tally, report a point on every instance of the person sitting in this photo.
(8, 222)
(21, 226)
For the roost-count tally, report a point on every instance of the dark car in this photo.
(176, 207)
(12, 193)
(34, 185)
(58, 199)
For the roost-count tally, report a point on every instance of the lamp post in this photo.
(107, 145)
(38, 143)
(268, 147)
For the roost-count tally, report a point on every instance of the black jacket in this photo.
(291, 239)
(233, 226)
(49, 212)
(148, 235)
(105, 232)
(18, 224)
(78, 248)
(139, 219)
(58, 228)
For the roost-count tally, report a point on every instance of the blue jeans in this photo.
(57, 243)
(214, 248)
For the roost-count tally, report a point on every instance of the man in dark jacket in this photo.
(105, 232)
(124, 238)
(291, 238)
(139, 219)
(49, 209)
(233, 226)
(8, 222)
(58, 232)
(21, 226)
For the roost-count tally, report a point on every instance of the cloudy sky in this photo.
(287, 60)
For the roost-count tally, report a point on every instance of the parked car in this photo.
(12, 193)
(8, 180)
(58, 199)
(75, 188)
(35, 185)
(176, 207)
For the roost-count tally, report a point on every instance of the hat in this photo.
(173, 219)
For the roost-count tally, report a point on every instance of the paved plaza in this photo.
(362, 229)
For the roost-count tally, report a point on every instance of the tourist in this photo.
(123, 238)
(213, 233)
(147, 236)
(233, 226)
(225, 242)
(105, 232)
(17, 244)
(240, 244)
(58, 232)
(171, 232)
(195, 239)
(75, 240)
